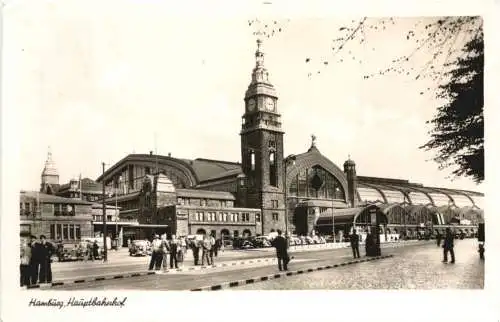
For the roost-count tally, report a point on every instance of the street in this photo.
(416, 268)
(413, 266)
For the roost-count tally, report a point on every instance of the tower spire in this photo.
(260, 73)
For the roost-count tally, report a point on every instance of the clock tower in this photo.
(262, 149)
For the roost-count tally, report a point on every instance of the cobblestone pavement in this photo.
(420, 268)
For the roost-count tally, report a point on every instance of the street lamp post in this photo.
(104, 228)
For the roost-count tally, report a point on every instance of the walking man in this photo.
(281, 246)
(354, 239)
(448, 247)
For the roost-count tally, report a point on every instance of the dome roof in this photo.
(50, 167)
(349, 162)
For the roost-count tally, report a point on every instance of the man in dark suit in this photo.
(42, 253)
(354, 239)
(280, 243)
(448, 247)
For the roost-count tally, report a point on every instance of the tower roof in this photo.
(50, 166)
(260, 83)
(349, 162)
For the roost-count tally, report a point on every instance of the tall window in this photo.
(59, 232)
(252, 160)
(52, 231)
(236, 233)
(274, 203)
(71, 231)
(224, 216)
(275, 216)
(273, 173)
(257, 217)
(65, 232)
(78, 232)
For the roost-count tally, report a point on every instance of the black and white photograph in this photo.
(162, 149)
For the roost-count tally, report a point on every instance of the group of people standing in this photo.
(35, 263)
(176, 248)
(208, 247)
(162, 248)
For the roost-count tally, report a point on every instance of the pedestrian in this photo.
(156, 255)
(481, 251)
(173, 252)
(181, 250)
(369, 244)
(438, 239)
(354, 239)
(25, 267)
(95, 250)
(206, 247)
(279, 242)
(43, 252)
(195, 247)
(217, 246)
(165, 249)
(448, 247)
(212, 248)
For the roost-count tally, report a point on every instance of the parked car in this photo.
(140, 248)
(261, 241)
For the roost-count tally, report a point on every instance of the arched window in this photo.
(316, 182)
(252, 160)
(273, 173)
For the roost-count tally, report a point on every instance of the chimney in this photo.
(150, 152)
(169, 154)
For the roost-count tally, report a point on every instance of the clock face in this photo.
(251, 104)
(270, 104)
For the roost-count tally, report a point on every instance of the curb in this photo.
(280, 275)
(235, 263)
(87, 280)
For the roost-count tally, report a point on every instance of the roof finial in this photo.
(259, 55)
(313, 140)
(49, 154)
(348, 157)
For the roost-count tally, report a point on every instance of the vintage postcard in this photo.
(161, 147)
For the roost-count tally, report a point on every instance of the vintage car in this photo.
(140, 248)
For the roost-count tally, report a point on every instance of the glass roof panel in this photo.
(461, 200)
(369, 194)
(479, 201)
(393, 196)
(419, 198)
(440, 199)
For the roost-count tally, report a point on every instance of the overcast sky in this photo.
(96, 85)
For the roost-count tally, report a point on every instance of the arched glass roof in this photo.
(369, 194)
(419, 198)
(461, 200)
(393, 196)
